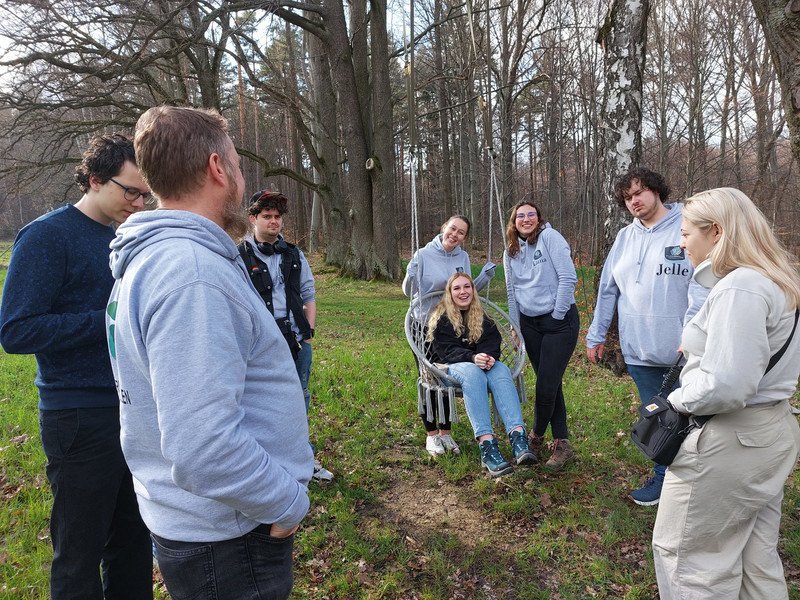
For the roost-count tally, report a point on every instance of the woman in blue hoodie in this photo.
(540, 280)
(428, 271)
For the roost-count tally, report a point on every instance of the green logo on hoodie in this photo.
(111, 311)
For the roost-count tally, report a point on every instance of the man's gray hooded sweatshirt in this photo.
(648, 279)
(213, 420)
(431, 267)
(541, 278)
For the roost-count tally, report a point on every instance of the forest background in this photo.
(349, 108)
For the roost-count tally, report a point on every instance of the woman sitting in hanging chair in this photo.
(427, 272)
(467, 340)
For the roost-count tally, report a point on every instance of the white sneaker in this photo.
(433, 444)
(321, 473)
(449, 444)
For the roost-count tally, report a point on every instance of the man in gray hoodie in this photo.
(647, 279)
(212, 413)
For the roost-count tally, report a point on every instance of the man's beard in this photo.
(234, 221)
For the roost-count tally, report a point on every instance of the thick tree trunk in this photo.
(780, 20)
(361, 261)
(623, 36)
(325, 128)
(384, 214)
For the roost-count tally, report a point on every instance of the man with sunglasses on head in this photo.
(281, 275)
(53, 306)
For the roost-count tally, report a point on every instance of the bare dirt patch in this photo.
(419, 504)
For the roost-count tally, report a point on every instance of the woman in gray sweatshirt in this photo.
(540, 280)
(428, 271)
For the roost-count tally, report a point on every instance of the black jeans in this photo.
(550, 344)
(95, 521)
(255, 566)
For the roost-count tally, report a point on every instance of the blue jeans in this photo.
(648, 382)
(303, 366)
(95, 522)
(255, 566)
(476, 383)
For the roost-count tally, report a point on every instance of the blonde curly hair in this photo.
(446, 306)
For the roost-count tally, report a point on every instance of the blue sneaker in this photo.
(493, 460)
(519, 446)
(650, 493)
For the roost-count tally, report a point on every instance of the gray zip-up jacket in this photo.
(214, 425)
(540, 279)
(647, 278)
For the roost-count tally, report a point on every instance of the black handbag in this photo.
(660, 430)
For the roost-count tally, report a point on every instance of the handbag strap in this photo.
(777, 356)
(671, 377)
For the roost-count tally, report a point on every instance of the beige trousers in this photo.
(716, 532)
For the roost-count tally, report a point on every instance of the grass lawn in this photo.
(395, 523)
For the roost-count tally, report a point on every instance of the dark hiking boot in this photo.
(493, 460)
(562, 454)
(519, 446)
(536, 445)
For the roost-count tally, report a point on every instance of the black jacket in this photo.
(452, 348)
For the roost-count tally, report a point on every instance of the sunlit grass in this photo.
(395, 523)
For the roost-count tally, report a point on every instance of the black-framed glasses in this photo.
(132, 194)
(530, 215)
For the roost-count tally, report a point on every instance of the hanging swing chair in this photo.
(434, 383)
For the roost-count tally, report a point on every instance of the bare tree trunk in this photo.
(384, 215)
(781, 23)
(325, 134)
(295, 156)
(360, 261)
(623, 36)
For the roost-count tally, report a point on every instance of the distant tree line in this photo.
(491, 100)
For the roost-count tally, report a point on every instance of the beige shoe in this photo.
(562, 454)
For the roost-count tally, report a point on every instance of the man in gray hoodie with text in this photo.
(212, 414)
(647, 279)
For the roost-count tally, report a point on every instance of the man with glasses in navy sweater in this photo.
(53, 306)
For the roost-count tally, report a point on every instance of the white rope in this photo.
(414, 211)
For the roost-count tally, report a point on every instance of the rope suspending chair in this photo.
(434, 380)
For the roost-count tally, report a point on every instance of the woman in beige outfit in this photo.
(716, 532)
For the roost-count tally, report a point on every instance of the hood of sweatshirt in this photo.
(144, 229)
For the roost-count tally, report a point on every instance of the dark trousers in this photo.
(255, 566)
(95, 522)
(550, 344)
